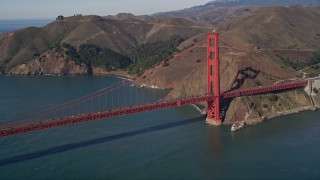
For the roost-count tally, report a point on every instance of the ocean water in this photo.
(173, 143)
(13, 25)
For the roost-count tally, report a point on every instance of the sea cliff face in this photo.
(51, 62)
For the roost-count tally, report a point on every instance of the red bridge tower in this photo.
(213, 116)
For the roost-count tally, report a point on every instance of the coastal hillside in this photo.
(120, 35)
(271, 52)
(289, 47)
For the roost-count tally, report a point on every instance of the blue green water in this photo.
(172, 143)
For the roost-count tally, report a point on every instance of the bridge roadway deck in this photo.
(14, 129)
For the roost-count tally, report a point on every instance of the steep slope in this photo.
(123, 35)
(258, 39)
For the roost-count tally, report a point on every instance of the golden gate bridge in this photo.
(123, 99)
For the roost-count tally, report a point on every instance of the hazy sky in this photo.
(10, 9)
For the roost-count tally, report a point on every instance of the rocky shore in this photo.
(241, 125)
(249, 122)
(238, 126)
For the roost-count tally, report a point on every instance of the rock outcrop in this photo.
(258, 107)
(51, 62)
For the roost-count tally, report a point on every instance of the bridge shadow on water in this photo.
(72, 146)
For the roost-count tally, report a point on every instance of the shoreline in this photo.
(265, 118)
(119, 73)
(271, 116)
(122, 75)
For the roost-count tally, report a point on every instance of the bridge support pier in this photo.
(213, 122)
(213, 115)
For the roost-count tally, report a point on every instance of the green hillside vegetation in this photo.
(294, 64)
(315, 59)
(298, 65)
(314, 69)
(93, 56)
(141, 58)
(147, 55)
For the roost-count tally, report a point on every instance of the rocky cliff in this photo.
(51, 62)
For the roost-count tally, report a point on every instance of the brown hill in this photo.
(294, 28)
(122, 36)
(258, 40)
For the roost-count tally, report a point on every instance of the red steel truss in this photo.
(10, 130)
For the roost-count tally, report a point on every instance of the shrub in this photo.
(315, 67)
(251, 105)
(258, 82)
(311, 75)
(274, 98)
(165, 64)
(315, 90)
(315, 59)
(148, 55)
(300, 75)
